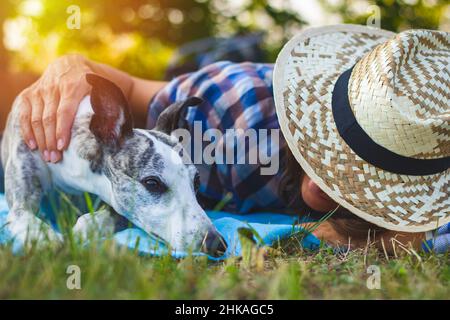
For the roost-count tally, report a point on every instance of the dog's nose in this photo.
(214, 244)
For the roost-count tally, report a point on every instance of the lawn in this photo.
(287, 272)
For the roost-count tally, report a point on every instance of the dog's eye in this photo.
(197, 182)
(154, 185)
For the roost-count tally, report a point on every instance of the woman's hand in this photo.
(49, 105)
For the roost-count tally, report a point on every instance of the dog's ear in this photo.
(173, 117)
(112, 120)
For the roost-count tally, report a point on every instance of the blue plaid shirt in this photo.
(236, 96)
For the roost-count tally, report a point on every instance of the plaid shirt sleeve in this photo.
(236, 96)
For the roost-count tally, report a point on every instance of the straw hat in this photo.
(366, 114)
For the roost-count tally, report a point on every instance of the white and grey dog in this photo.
(139, 173)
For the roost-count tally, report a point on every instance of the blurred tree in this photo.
(38, 31)
(5, 9)
(276, 18)
(135, 35)
(396, 15)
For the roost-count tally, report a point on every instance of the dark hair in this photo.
(291, 177)
(343, 221)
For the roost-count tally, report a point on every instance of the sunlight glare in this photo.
(31, 8)
(16, 32)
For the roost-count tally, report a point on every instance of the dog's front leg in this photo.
(97, 224)
(23, 190)
(27, 228)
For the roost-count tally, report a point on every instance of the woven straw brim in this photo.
(304, 77)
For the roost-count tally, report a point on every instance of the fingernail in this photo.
(54, 156)
(46, 156)
(32, 144)
(60, 144)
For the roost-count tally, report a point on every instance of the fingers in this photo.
(64, 119)
(72, 92)
(37, 109)
(49, 123)
(25, 124)
(49, 105)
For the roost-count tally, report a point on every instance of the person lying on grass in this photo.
(365, 133)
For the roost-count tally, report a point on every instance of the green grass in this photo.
(285, 272)
(109, 272)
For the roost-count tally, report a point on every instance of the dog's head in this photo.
(151, 185)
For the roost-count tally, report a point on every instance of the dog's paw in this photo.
(30, 231)
(83, 228)
(98, 224)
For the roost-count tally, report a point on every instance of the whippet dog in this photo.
(139, 173)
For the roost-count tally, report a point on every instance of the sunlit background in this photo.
(141, 37)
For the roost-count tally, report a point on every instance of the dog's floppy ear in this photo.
(173, 117)
(112, 120)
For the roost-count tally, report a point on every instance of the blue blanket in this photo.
(268, 228)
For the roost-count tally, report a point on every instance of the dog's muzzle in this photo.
(214, 244)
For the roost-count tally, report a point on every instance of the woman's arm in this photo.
(138, 91)
(49, 105)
